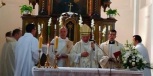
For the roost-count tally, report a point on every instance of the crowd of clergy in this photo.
(20, 53)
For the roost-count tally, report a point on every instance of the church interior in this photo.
(135, 17)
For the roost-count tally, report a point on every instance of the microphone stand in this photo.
(110, 60)
(96, 56)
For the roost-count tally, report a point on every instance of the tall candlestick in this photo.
(56, 42)
(40, 41)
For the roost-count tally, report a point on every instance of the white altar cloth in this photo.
(71, 71)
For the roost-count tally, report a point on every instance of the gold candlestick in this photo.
(55, 66)
(47, 63)
(39, 65)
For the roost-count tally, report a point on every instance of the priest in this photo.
(63, 47)
(85, 53)
(7, 61)
(143, 51)
(112, 50)
(26, 52)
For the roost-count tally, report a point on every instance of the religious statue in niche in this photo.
(77, 6)
(70, 28)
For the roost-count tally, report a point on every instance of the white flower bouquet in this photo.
(132, 59)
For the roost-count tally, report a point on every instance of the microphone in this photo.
(92, 40)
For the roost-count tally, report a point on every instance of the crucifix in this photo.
(70, 7)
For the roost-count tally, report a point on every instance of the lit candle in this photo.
(40, 41)
(56, 42)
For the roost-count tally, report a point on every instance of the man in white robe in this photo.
(7, 57)
(26, 52)
(112, 50)
(143, 51)
(63, 49)
(84, 53)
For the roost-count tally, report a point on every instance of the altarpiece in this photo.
(69, 13)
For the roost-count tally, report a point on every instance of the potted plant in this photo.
(25, 9)
(112, 12)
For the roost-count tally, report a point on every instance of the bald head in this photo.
(63, 32)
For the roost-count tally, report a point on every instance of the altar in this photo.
(71, 71)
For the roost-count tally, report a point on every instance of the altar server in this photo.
(143, 51)
(7, 61)
(26, 52)
(112, 49)
(85, 53)
(63, 47)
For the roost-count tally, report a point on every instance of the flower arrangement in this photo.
(132, 59)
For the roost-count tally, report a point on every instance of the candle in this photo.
(41, 25)
(92, 23)
(49, 22)
(56, 42)
(39, 28)
(99, 28)
(48, 30)
(108, 27)
(40, 41)
(48, 48)
(55, 26)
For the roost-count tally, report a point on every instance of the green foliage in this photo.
(112, 11)
(26, 7)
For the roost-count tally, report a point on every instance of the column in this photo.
(136, 17)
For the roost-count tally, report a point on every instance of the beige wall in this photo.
(10, 17)
(124, 25)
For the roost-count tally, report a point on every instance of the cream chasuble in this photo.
(110, 49)
(64, 47)
(7, 61)
(90, 61)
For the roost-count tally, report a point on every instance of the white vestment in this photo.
(64, 47)
(109, 50)
(144, 52)
(7, 61)
(91, 61)
(26, 55)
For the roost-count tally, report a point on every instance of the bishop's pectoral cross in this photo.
(70, 7)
